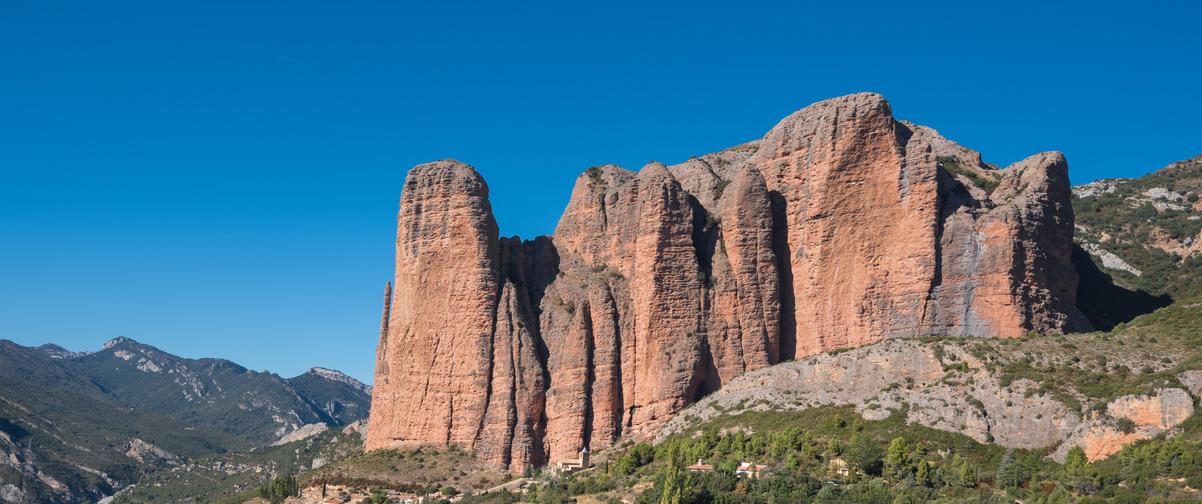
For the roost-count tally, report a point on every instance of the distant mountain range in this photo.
(77, 426)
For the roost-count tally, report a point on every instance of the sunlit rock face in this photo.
(840, 228)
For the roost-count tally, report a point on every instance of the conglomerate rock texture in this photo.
(840, 228)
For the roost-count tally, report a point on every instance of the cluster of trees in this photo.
(1137, 469)
(886, 461)
(902, 470)
(802, 472)
(281, 487)
(905, 472)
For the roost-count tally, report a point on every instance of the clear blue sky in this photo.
(220, 178)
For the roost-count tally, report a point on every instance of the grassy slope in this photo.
(1127, 226)
(234, 477)
(229, 477)
(423, 470)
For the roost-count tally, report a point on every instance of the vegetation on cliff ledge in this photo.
(886, 461)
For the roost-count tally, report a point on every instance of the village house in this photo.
(744, 469)
(700, 467)
(837, 466)
(751, 470)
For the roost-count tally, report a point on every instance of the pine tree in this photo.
(1008, 471)
(965, 474)
(898, 464)
(1075, 462)
(922, 476)
(864, 455)
(280, 488)
(792, 462)
(833, 449)
(677, 484)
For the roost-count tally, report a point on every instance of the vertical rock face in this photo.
(743, 302)
(859, 209)
(839, 228)
(1004, 262)
(434, 364)
(665, 291)
(511, 432)
(458, 360)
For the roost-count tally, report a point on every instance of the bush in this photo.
(638, 456)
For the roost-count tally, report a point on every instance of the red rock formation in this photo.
(458, 363)
(839, 228)
(860, 220)
(511, 433)
(744, 301)
(665, 292)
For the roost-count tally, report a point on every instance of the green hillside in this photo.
(68, 443)
(1144, 236)
(78, 426)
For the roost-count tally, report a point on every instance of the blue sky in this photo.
(220, 178)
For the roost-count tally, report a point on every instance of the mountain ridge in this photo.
(134, 409)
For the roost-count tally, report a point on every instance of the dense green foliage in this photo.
(1127, 224)
(917, 465)
(280, 488)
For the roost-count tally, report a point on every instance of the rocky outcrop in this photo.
(942, 385)
(1101, 438)
(840, 228)
(305, 432)
(1192, 379)
(1149, 415)
(744, 302)
(1165, 410)
(898, 376)
(147, 453)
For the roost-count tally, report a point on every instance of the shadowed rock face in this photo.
(840, 228)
